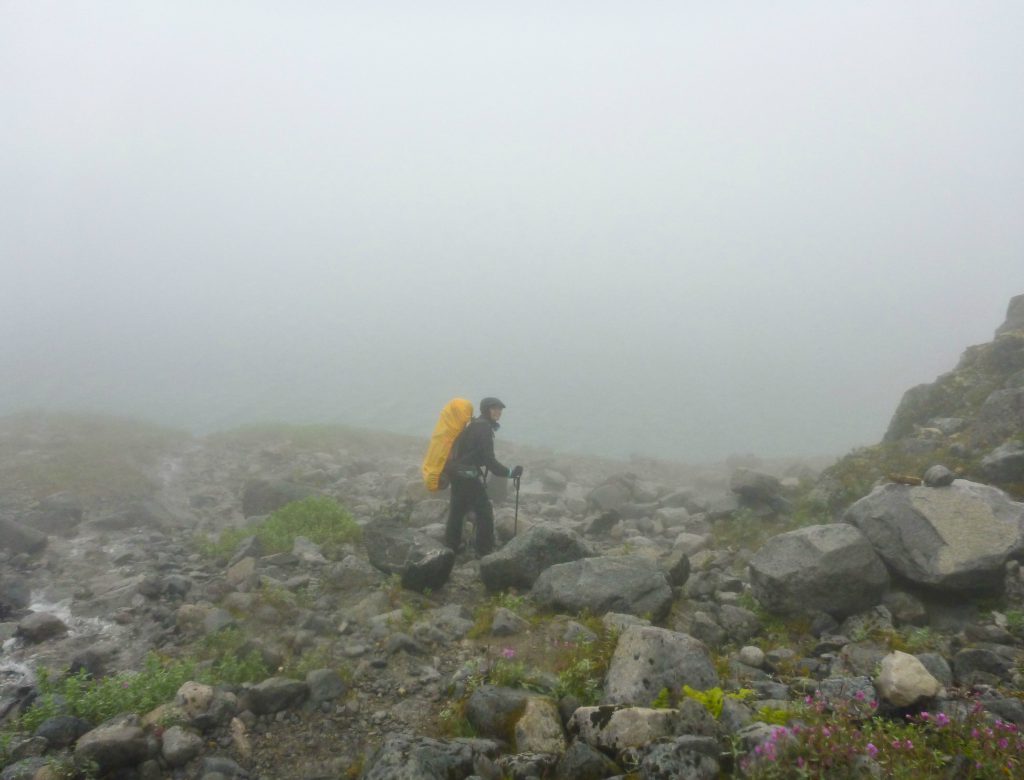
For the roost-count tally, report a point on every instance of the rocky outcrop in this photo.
(956, 538)
(826, 568)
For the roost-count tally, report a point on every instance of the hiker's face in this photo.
(495, 412)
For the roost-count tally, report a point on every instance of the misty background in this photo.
(673, 229)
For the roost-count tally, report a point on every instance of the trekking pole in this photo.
(515, 524)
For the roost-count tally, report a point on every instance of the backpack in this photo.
(453, 420)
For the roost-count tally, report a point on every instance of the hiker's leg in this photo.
(457, 508)
(484, 521)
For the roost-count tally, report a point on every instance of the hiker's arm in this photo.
(492, 463)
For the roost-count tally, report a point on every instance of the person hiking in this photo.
(472, 454)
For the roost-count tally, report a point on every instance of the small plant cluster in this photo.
(582, 669)
(847, 738)
(318, 518)
(713, 699)
(98, 700)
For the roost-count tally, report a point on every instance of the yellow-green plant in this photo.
(713, 699)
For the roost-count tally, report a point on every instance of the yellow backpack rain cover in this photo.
(454, 417)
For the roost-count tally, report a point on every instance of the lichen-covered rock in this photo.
(647, 659)
(613, 728)
(539, 728)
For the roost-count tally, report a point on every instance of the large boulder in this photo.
(420, 560)
(827, 568)
(647, 659)
(112, 746)
(520, 562)
(953, 538)
(58, 513)
(628, 583)
(611, 495)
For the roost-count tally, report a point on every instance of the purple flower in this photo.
(859, 696)
(925, 716)
(941, 719)
(909, 745)
(872, 750)
(508, 652)
(1003, 743)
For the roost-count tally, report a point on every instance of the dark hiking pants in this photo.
(470, 495)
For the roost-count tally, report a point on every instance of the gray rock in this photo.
(938, 476)
(613, 728)
(647, 659)
(1005, 463)
(62, 731)
(903, 680)
(631, 584)
(958, 538)
(507, 623)
(612, 495)
(220, 768)
(40, 626)
(740, 623)
(754, 487)
(325, 685)
(432, 510)
(584, 762)
(404, 757)
(275, 694)
(691, 757)
(25, 769)
(494, 711)
(421, 561)
(16, 538)
(999, 418)
(520, 562)
(820, 567)
(179, 746)
(977, 665)
(112, 747)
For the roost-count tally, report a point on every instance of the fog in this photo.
(674, 229)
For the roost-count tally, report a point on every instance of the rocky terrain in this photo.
(646, 619)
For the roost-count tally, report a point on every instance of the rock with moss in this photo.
(405, 757)
(613, 728)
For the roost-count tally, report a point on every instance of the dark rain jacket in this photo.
(473, 451)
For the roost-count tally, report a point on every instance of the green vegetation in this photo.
(483, 617)
(320, 519)
(847, 739)
(582, 667)
(713, 699)
(93, 456)
(139, 692)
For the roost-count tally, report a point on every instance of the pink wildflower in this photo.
(925, 716)
(942, 719)
(909, 745)
(859, 696)
(872, 750)
(1004, 743)
(508, 652)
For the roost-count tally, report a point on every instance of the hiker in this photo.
(472, 457)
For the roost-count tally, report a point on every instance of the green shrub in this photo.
(583, 669)
(318, 518)
(713, 699)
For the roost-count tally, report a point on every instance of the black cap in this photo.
(488, 402)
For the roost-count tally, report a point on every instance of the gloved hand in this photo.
(516, 472)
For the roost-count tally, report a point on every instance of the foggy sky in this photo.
(674, 229)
